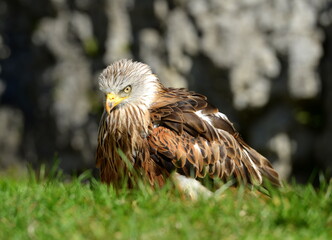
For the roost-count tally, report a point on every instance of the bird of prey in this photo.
(156, 131)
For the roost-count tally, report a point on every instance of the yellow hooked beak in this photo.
(111, 101)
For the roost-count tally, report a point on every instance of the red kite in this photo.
(156, 130)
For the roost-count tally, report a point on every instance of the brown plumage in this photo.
(156, 131)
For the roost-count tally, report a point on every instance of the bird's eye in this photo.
(127, 89)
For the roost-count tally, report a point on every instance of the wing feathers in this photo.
(197, 139)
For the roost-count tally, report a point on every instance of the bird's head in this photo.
(126, 82)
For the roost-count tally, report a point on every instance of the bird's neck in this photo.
(127, 127)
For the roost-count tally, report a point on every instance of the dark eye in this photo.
(127, 89)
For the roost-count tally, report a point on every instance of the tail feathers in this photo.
(263, 166)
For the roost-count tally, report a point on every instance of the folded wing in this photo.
(191, 136)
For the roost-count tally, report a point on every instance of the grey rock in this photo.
(181, 41)
(284, 148)
(70, 75)
(232, 38)
(11, 134)
(152, 51)
(119, 31)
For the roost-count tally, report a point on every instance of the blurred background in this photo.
(267, 64)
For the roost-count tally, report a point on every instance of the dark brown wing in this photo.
(191, 136)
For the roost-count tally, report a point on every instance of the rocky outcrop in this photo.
(266, 64)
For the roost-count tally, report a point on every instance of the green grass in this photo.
(31, 209)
